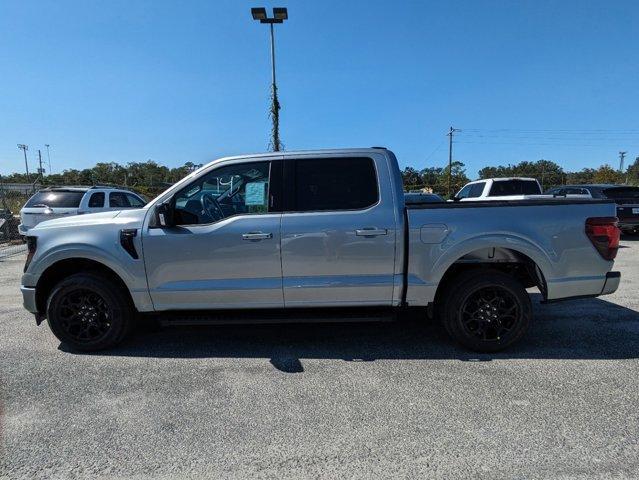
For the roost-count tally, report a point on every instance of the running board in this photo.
(243, 317)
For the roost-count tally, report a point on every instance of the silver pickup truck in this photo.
(319, 235)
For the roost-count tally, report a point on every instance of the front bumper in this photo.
(29, 298)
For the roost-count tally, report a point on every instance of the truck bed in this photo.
(548, 233)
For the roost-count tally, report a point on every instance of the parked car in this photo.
(626, 197)
(319, 235)
(414, 198)
(516, 188)
(50, 203)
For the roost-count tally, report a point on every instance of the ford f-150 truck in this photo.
(320, 235)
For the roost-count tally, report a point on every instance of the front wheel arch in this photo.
(64, 268)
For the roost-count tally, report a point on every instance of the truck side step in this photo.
(274, 316)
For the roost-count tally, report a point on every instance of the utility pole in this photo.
(622, 155)
(450, 134)
(24, 148)
(40, 169)
(279, 15)
(48, 157)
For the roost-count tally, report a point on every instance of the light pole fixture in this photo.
(24, 149)
(279, 15)
(48, 157)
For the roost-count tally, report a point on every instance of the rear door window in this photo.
(514, 187)
(576, 191)
(56, 199)
(476, 189)
(334, 184)
(96, 200)
(118, 200)
(622, 192)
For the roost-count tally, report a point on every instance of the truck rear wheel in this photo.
(89, 312)
(486, 310)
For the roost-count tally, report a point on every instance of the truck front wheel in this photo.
(88, 312)
(486, 310)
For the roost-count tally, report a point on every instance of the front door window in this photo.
(238, 189)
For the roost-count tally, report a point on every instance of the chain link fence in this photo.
(12, 198)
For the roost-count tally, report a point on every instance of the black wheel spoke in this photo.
(489, 313)
(84, 315)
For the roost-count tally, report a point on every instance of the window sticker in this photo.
(255, 193)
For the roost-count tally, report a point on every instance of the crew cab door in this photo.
(223, 249)
(338, 231)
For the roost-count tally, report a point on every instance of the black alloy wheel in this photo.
(486, 310)
(84, 315)
(89, 311)
(490, 313)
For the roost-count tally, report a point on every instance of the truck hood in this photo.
(130, 218)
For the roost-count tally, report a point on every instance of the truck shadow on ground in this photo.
(584, 329)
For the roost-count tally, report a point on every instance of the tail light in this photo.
(604, 234)
(31, 249)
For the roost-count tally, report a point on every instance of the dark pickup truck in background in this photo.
(626, 197)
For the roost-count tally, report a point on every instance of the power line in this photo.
(545, 143)
(576, 131)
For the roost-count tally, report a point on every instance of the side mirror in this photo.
(456, 198)
(164, 214)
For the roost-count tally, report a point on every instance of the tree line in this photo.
(548, 173)
(150, 178)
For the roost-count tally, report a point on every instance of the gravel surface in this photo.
(394, 400)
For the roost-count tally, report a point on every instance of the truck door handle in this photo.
(256, 236)
(370, 232)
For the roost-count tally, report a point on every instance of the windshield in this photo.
(56, 198)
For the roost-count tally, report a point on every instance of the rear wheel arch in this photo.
(506, 260)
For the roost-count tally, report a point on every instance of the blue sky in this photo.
(178, 81)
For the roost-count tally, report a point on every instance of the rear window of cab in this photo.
(56, 198)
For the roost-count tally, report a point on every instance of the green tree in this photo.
(607, 174)
(411, 178)
(632, 174)
(548, 173)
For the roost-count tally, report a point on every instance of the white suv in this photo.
(57, 202)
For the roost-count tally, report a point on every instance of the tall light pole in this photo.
(24, 148)
(48, 157)
(622, 155)
(279, 15)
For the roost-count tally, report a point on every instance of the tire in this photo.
(486, 310)
(89, 312)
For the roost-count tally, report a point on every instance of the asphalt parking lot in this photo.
(327, 401)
